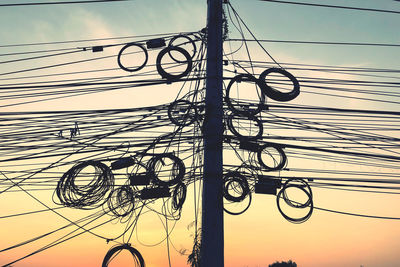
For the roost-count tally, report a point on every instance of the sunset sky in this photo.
(260, 236)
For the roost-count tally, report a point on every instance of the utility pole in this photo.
(212, 234)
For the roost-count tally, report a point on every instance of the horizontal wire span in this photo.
(315, 42)
(333, 6)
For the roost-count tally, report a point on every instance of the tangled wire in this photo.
(85, 193)
(304, 187)
(114, 251)
(120, 202)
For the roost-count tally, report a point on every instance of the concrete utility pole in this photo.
(212, 235)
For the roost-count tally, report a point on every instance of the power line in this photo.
(61, 3)
(314, 133)
(333, 6)
(358, 215)
(317, 42)
(95, 39)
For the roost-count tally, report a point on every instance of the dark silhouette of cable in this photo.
(316, 42)
(358, 215)
(95, 39)
(333, 6)
(39, 57)
(29, 213)
(251, 33)
(61, 3)
(37, 52)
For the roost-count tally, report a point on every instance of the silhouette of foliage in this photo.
(194, 258)
(290, 263)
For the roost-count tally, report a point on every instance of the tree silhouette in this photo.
(194, 257)
(290, 263)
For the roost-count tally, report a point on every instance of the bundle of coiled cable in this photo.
(243, 107)
(178, 196)
(90, 194)
(182, 112)
(180, 41)
(275, 94)
(169, 76)
(243, 113)
(172, 207)
(114, 251)
(275, 154)
(245, 127)
(236, 189)
(304, 187)
(132, 46)
(121, 201)
(166, 169)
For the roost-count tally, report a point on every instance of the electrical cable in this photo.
(333, 6)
